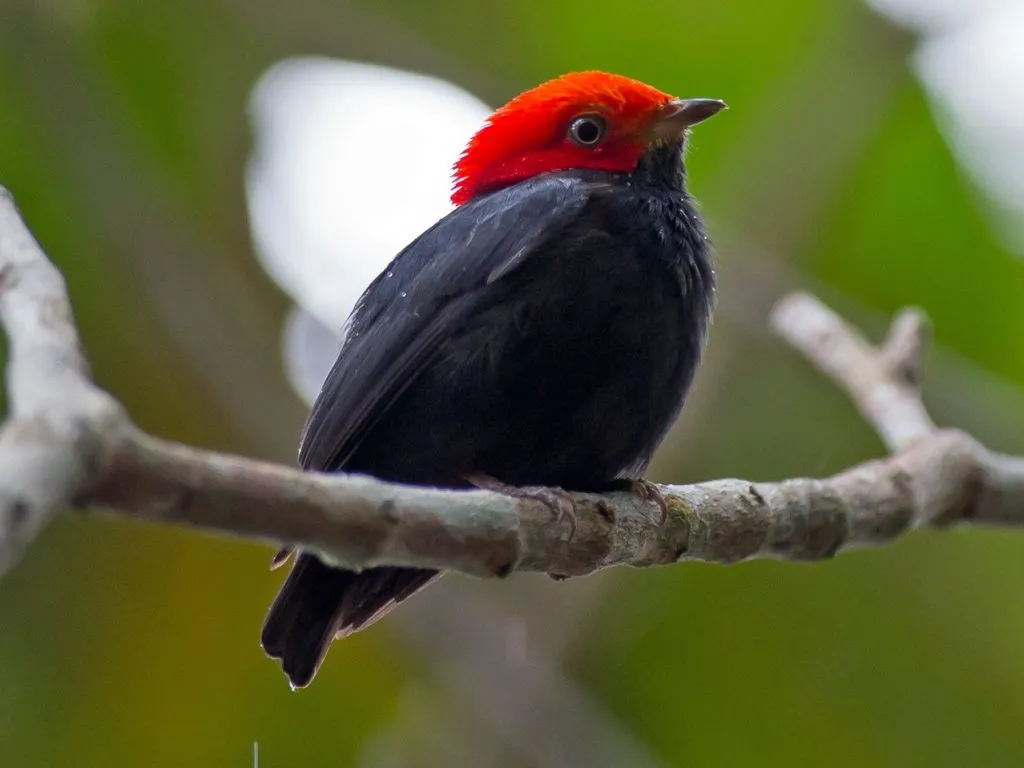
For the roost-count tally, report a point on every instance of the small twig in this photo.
(883, 383)
(903, 351)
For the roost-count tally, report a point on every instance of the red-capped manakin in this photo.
(543, 334)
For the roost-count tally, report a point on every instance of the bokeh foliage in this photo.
(123, 135)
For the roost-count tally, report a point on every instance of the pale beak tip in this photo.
(692, 111)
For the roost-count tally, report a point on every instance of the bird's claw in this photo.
(558, 500)
(648, 492)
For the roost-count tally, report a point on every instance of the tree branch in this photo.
(48, 445)
(67, 443)
(884, 383)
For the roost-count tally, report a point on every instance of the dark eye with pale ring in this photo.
(587, 130)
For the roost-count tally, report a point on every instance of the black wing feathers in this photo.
(420, 298)
(400, 323)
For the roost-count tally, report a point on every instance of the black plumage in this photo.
(542, 334)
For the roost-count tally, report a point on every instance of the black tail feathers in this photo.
(318, 603)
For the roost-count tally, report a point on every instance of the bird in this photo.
(537, 340)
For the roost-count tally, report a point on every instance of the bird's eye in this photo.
(587, 130)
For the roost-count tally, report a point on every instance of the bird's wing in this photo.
(421, 298)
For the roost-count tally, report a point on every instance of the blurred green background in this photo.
(123, 135)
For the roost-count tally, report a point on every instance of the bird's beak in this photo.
(678, 115)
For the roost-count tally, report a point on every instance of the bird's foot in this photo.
(558, 500)
(647, 491)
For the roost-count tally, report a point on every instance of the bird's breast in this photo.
(584, 363)
(569, 371)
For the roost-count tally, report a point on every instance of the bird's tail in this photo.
(318, 603)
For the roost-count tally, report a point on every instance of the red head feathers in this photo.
(581, 120)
